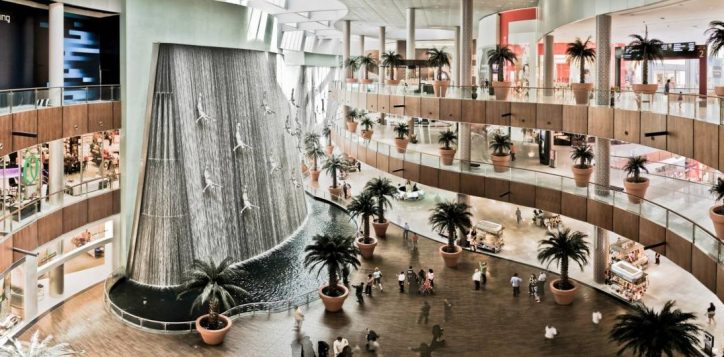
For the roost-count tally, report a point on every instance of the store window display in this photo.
(625, 275)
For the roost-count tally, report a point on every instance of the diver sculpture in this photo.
(265, 106)
(208, 181)
(201, 113)
(240, 144)
(247, 203)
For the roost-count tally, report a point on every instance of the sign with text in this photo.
(669, 50)
(5, 18)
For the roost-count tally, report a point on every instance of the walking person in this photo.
(338, 345)
(542, 283)
(358, 291)
(551, 332)
(657, 258)
(596, 317)
(515, 282)
(518, 215)
(476, 279)
(483, 266)
(377, 275)
(344, 190)
(370, 282)
(447, 310)
(710, 312)
(401, 281)
(421, 276)
(667, 88)
(431, 277)
(298, 318)
(424, 312)
(414, 238)
(532, 283)
(359, 166)
(513, 151)
(406, 231)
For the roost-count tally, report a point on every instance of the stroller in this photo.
(426, 288)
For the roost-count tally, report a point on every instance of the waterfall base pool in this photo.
(276, 275)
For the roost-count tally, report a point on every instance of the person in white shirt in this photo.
(596, 317)
(431, 277)
(515, 282)
(476, 278)
(551, 332)
(339, 344)
(406, 231)
(298, 318)
(542, 283)
(401, 281)
(377, 275)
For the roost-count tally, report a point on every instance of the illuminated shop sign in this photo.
(669, 50)
(5, 18)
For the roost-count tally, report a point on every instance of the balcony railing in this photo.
(17, 100)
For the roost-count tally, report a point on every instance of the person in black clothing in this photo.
(437, 340)
(424, 349)
(424, 312)
(358, 291)
(345, 275)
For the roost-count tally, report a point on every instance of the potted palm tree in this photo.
(582, 53)
(401, 142)
(334, 253)
(367, 62)
(447, 218)
(392, 60)
(382, 190)
(563, 246)
(314, 153)
(37, 348)
(310, 139)
(645, 332)
(634, 183)
(352, 65)
(499, 56)
(215, 287)
(650, 50)
(447, 153)
(332, 167)
(438, 58)
(715, 39)
(501, 152)
(327, 133)
(367, 124)
(352, 117)
(716, 213)
(364, 206)
(583, 170)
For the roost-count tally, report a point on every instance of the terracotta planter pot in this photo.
(716, 214)
(451, 259)
(380, 228)
(304, 167)
(333, 303)
(365, 81)
(401, 145)
(351, 80)
(502, 89)
(644, 88)
(367, 134)
(329, 149)
(352, 126)
(447, 156)
(366, 250)
(636, 189)
(440, 87)
(563, 297)
(500, 163)
(581, 91)
(582, 176)
(719, 91)
(315, 175)
(212, 337)
(392, 82)
(336, 192)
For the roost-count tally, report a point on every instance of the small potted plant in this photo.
(447, 152)
(715, 39)
(583, 170)
(438, 58)
(333, 166)
(215, 287)
(335, 253)
(448, 217)
(314, 153)
(401, 142)
(367, 62)
(352, 65)
(364, 206)
(367, 124)
(634, 183)
(649, 50)
(581, 53)
(327, 133)
(716, 213)
(499, 56)
(382, 190)
(352, 117)
(501, 152)
(391, 60)
(474, 92)
(562, 246)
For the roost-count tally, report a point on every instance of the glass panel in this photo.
(525, 176)
(430, 160)
(4, 102)
(600, 193)
(706, 242)
(412, 156)
(569, 186)
(653, 213)
(548, 180)
(681, 226)
(621, 200)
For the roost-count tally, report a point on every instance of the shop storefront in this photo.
(625, 276)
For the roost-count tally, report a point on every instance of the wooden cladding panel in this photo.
(721, 148)
(50, 123)
(706, 145)
(450, 109)
(449, 180)
(494, 112)
(548, 199)
(704, 268)
(50, 227)
(652, 123)
(574, 206)
(411, 172)
(117, 115)
(100, 206)
(681, 135)
(678, 250)
(523, 115)
(354, 100)
(627, 125)
(27, 122)
(600, 122)
(382, 162)
(6, 253)
(522, 194)
(549, 116)
(600, 214)
(429, 108)
(472, 111)
(720, 282)
(116, 201)
(473, 185)
(575, 119)
(100, 116)
(395, 166)
(651, 233)
(626, 224)
(494, 188)
(371, 157)
(372, 99)
(6, 137)
(383, 103)
(429, 176)
(75, 120)
(75, 216)
(26, 239)
(361, 100)
(397, 105)
(412, 106)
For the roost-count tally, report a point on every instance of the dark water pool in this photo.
(279, 275)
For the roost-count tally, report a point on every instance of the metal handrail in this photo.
(57, 87)
(47, 97)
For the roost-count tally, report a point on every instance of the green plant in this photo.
(715, 38)
(392, 60)
(366, 122)
(333, 165)
(562, 246)
(311, 139)
(650, 50)
(499, 56)
(447, 138)
(355, 114)
(500, 145)
(401, 130)
(381, 188)
(645, 332)
(718, 189)
(581, 52)
(334, 253)
(584, 153)
(449, 216)
(634, 166)
(37, 348)
(352, 64)
(438, 58)
(326, 132)
(363, 205)
(368, 62)
(214, 285)
(314, 153)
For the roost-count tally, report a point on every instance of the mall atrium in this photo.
(361, 178)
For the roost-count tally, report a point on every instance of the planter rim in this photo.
(645, 180)
(206, 316)
(553, 283)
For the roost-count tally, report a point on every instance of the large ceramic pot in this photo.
(563, 297)
(440, 87)
(333, 303)
(502, 89)
(351, 80)
(367, 134)
(365, 81)
(315, 175)
(367, 250)
(500, 163)
(380, 228)
(352, 126)
(447, 156)
(401, 145)
(719, 91)
(716, 214)
(582, 176)
(451, 259)
(212, 337)
(392, 82)
(636, 190)
(644, 88)
(336, 192)
(581, 91)
(329, 149)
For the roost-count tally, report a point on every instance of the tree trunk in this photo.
(564, 272)
(583, 72)
(645, 70)
(334, 178)
(366, 228)
(332, 279)
(380, 211)
(451, 240)
(501, 71)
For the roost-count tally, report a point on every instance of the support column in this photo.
(56, 276)
(410, 50)
(548, 65)
(30, 284)
(466, 41)
(119, 246)
(346, 28)
(55, 51)
(382, 51)
(455, 77)
(361, 45)
(603, 59)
